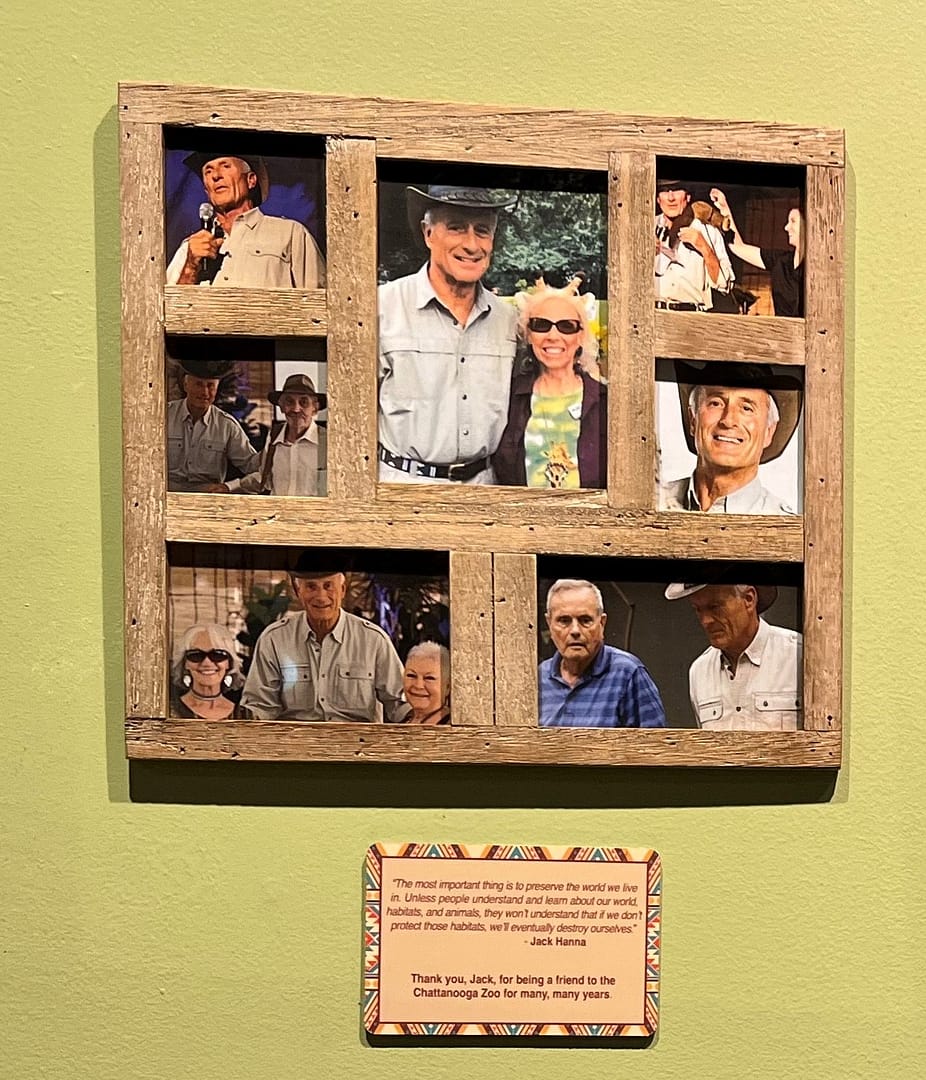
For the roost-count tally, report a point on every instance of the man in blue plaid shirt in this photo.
(588, 683)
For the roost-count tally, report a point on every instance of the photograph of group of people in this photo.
(492, 361)
(246, 416)
(720, 651)
(325, 635)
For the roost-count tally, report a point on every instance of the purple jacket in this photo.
(593, 434)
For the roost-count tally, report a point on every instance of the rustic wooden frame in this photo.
(493, 534)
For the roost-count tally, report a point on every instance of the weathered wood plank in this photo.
(472, 634)
(632, 385)
(201, 740)
(143, 404)
(351, 178)
(248, 312)
(702, 336)
(449, 131)
(530, 528)
(823, 460)
(515, 589)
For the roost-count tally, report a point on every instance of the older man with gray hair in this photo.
(588, 683)
(446, 346)
(749, 677)
(736, 417)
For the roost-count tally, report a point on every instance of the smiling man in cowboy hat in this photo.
(691, 257)
(749, 677)
(323, 663)
(446, 346)
(238, 244)
(736, 417)
(295, 450)
(202, 440)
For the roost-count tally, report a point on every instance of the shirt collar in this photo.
(755, 650)
(188, 416)
(425, 294)
(250, 217)
(740, 501)
(337, 631)
(598, 667)
(309, 435)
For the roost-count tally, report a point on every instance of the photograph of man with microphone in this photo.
(231, 239)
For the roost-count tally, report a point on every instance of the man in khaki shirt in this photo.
(749, 678)
(237, 244)
(322, 663)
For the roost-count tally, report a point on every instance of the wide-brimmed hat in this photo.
(322, 562)
(766, 595)
(298, 384)
(785, 389)
(207, 369)
(473, 198)
(198, 160)
(673, 185)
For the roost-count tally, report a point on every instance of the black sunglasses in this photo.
(217, 656)
(544, 326)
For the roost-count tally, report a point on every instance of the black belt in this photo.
(679, 305)
(456, 473)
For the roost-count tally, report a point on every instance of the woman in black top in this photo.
(786, 267)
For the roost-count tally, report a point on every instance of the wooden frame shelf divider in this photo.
(494, 536)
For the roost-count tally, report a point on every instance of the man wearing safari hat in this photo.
(238, 244)
(736, 417)
(202, 440)
(295, 450)
(749, 677)
(691, 257)
(446, 346)
(322, 663)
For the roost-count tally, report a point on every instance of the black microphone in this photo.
(206, 215)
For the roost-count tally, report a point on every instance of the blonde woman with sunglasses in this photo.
(556, 436)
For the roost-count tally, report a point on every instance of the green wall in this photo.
(183, 922)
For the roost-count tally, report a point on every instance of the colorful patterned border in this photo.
(372, 879)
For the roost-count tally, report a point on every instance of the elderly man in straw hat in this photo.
(749, 677)
(446, 346)
(736, 417)
(237, 243)
(295, 450)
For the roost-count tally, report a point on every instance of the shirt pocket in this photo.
(270, 249)
(413, 370)
(779, 711)
(352, 691)
(710, 714)
(297, 691)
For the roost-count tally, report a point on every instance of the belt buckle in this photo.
(452, 470)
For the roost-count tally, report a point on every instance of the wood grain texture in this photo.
(202, 740)
(472, 639)
(189, 309)
(632, 375)
(252, 519)
(702, 336)
(823, 461)
(515, 589)
(352, 333)
(449, 131)
(143, 404)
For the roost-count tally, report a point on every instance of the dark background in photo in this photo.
(663, 633)
(295, 166)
